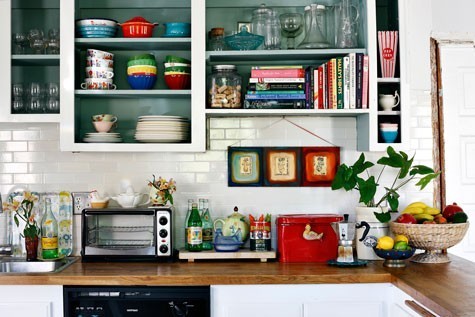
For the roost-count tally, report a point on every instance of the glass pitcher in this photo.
(346, 25)
(265, 22)
(314, 37)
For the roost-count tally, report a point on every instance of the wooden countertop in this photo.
(447, 289)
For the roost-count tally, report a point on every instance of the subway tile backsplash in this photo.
(30, 158)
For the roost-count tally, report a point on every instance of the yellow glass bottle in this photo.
(49, 233)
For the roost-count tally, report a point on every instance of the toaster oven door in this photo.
(125, 234)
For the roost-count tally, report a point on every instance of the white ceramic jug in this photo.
(377, 229)
(388, 102)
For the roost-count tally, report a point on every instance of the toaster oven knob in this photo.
(163, 220)
(163, 233)
(163, 248)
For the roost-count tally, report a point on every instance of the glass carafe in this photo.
(265, 22)
(347, 16)
(314, 37)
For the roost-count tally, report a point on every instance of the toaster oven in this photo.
(127, 234)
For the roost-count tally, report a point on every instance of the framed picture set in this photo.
(245, 166)
(283, 166)
(319, 165)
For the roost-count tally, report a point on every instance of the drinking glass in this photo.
(38, 46)
(52, 46)
(17, 90)
(52, 105)
(20, 40)
(36, 105)
(18, 106)
(52, 90)
(291, 24)
(35, 90)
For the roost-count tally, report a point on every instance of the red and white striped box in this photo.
(387, 41)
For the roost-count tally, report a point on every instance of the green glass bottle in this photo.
(188, 213)
(49, 233)
(195, 230)
(207, 226)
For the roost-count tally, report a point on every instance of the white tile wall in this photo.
(36, 163)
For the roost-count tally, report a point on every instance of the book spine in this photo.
(274, 96)
(325, 86)
(332, 84)
(269, 92)
(321, 84)
(346, 82)
(352, 80)
(364, 103)
(275, 104)
(339, 82)
(276, 80)
(278, 67)
(316, 79)
(359, 80)
(275, 86)
(278, 73)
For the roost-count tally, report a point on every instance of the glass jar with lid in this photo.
(216, 39)
(224, 87)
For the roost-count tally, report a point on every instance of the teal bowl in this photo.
(389, 136)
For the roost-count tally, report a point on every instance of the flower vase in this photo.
(31, 244)
(157, 197)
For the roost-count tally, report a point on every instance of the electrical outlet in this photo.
(81, 200)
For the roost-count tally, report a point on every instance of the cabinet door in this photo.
(22, 64)
(398, 306)
(31, 300)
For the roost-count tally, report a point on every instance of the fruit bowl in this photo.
(394, 258)
(433, 238)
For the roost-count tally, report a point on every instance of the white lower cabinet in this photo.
(399, 308)
(31, 300)
(369, 300)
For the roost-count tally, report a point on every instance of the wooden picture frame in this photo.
(319, 165)
(282, 166)
(245, 166)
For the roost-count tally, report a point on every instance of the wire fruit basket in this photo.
(435, 239)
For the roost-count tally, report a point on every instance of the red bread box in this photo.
(298, 243)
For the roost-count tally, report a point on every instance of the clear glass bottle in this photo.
(188, 213)
(216, 39)
(207, 226)
(265, 22)
(224, 87)
(49, 233)
(195, 230)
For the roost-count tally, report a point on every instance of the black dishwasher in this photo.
(137, 301)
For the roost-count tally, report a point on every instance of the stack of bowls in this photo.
(388, 131)
(93, 28)
(177, 72)
(142, 71)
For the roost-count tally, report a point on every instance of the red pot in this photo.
(137, 27)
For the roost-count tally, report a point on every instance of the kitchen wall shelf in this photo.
(178, 44)
(389, 80)
(35, 60)
(286, 112)
(129, 93)
(389, 113)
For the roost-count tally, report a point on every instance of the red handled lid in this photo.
(308, 218)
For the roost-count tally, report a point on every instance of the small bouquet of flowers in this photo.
(23, 210)
(161, 190)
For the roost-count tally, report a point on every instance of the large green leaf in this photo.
(361, 165)
(383, 216)
(421, 170)
(367, 189)
(393, 159)
(405, 167)
(424, 181)
(339, 179)
(392, 198)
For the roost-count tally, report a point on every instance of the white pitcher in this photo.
(388, 102)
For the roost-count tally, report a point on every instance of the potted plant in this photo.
(24, 211)
(358, 177)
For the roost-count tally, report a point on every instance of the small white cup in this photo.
(99, 72)
(99, 62)
(98, 83)
(104, 117)
(100, 54)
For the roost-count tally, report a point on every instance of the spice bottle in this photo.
(224, 87)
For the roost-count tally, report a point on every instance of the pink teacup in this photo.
(104, 126)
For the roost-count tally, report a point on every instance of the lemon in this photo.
(385, 243)
(401, 246)
(401, 237)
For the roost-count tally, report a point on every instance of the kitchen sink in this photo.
(14, 265)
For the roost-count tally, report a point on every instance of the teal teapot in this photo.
(234, 225)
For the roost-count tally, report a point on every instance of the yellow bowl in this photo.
(99, 204)
(142, 69)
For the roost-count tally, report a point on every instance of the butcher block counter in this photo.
(447, 289)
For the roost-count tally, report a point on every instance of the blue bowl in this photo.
(394, 254)
(177, 29)
(389, 136)
(97, 28)
(244, 41)
(142, 81)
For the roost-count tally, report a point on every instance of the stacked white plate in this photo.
(102, 137)
(162, 129)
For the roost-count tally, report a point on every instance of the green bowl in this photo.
(136, 62)
(180, 69)
(176, 59)
(142, 56)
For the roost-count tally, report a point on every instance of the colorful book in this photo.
(352, 57)
(269, 92)
(325, 85)
(346, 82)
(275, 86)
(275, 104)
(321, 85)
(277, 67)
(309, 86)
(332, 102)
(339, 82)
(276, 80)
(359, 80)
(278, 73)
(315, 88)
(276, 96)
(364, 103)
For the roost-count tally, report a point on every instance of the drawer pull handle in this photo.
(419, 309)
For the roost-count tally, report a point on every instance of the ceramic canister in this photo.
(364, 249)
